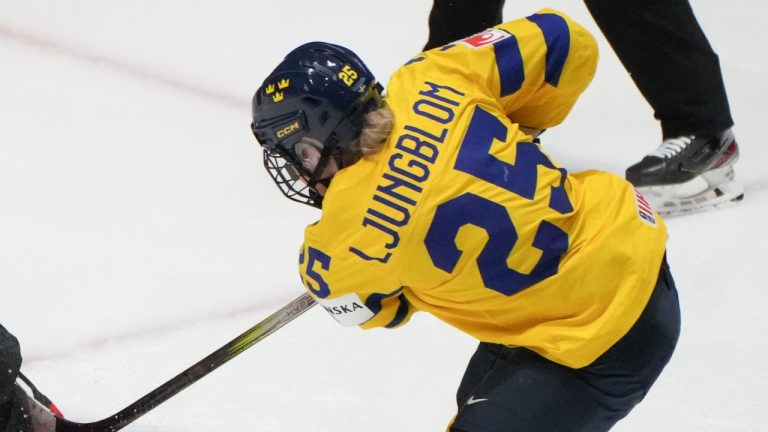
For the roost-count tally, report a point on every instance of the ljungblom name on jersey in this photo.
(416, 151)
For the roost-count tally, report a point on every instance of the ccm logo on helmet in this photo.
(287, 130)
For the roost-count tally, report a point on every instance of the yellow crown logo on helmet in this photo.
(270, 89)
(277, 97)
(284, 83)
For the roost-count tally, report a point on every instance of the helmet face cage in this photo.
(287, 177)
(318, 108)
(290, 172)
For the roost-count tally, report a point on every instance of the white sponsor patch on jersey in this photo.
(348, 310)
(487, 37)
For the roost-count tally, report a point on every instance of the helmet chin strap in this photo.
(335, 153)
(315, 178)
(324, 182)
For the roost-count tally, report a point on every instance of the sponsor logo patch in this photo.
(487, 37)
(348, 310)
(644, 210)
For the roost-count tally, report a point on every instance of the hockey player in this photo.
(436, 199)
(670, 60)
(22, 407)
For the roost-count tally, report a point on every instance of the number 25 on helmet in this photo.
(317, 96)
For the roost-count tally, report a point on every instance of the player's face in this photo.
(309, 154)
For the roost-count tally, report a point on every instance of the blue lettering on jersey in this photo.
(474, 158)
(315, 256)
(415, 60)
(502, 237)
(521, 178)
(416, 150)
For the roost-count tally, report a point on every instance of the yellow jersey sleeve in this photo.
(535, 67)
(352, 292)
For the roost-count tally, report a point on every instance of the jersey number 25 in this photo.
(474, 158)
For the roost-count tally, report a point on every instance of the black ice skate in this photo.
(28, 410)
(689, 174)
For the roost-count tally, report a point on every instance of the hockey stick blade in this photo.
(200, 369)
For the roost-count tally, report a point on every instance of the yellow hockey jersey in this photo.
(461, 215)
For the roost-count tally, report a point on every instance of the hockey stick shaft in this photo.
(200, 369)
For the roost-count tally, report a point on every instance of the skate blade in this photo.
(712, 190)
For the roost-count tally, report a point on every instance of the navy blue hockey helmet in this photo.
(318, 95)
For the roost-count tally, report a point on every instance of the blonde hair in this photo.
(378, 126)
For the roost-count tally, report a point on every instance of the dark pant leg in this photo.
(10, 362)
(480, 365)
(515, 389)
(451, 20)
(638, 358)
(670, 60)
(526, 392)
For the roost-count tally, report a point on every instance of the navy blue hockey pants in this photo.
(515, 389)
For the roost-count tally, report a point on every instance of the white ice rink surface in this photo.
(138, 231)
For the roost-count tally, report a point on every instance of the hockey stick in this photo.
(200, 369)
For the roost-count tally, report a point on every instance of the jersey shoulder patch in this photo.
(486, 37)
(644, 210)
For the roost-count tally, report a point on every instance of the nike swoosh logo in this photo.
(472, 400)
